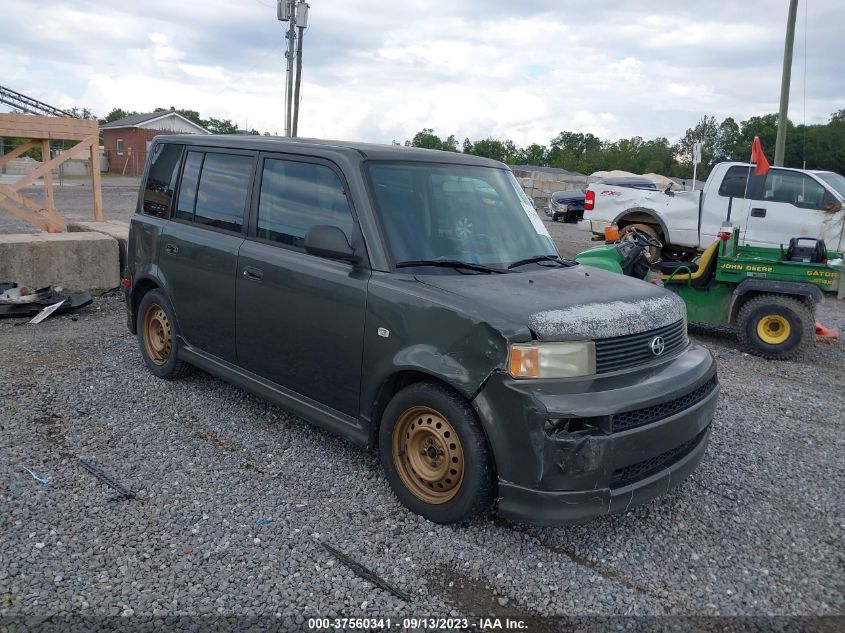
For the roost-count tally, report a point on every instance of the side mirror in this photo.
(329, 242)
(831, 204)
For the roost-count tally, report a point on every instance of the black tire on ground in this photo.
(419, 408)
(788, 324)
(158, 339)
(649, 229)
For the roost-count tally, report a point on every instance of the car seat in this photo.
(815, 253)
(700, 272)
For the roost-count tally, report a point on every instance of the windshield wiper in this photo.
(450, 263)
(543, 258)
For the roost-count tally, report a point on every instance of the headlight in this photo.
(552, 360)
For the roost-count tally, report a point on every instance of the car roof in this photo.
(569, 193)
(364, 151)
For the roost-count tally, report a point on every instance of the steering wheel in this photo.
(644, 239)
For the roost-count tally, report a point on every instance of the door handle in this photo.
(758, 213)
(171, 249)
(253, 273)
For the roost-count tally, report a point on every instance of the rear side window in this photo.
(222, 191)
(161, 179)
(188, 189)
(734, 183)
(214, 189)
(296, 196)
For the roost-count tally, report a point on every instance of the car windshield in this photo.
(836, 181)
(457, 213)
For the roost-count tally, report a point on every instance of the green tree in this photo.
(220, 126)
(706, 132)
(427, 139)
(730, 144)
(504, 151)
(576, 151)
(766, 127)
(116, 114)
(533, 154)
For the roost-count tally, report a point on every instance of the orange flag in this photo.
(759, 158)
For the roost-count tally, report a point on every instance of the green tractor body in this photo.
(767, 295)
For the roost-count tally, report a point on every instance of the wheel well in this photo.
(393, 385)
(138, 292)
(640, 216)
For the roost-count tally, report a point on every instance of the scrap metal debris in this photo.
(125, 493)
(20, 301)
(365, 573)
(38, 318)
(41, 480)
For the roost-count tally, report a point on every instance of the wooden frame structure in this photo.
(40, 130)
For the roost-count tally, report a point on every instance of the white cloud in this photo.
(378, 72)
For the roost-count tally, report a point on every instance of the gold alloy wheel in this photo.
(158, 338)
(773, 329)
(428, 455)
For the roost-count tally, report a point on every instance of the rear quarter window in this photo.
(161, 179)
(735, 182)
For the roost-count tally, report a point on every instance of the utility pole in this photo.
(286, 12)
(302, 24)
(780, 143)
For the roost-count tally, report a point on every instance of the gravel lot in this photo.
(235, 497)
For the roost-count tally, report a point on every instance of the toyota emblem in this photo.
(657, 345)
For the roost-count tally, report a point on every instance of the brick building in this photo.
(126, 140)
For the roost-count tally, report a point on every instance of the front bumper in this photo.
(589, 468)
(564, 211)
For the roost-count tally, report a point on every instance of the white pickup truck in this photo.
(769, 209)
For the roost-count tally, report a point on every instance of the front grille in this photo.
(648, 467)
(622, 352)
(641, 417)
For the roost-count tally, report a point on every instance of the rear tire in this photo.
(435, 454)
(776, 327)
(649, 229)
(158, 336)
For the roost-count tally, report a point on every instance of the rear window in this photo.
(214, 189)
(734, 185)
(161, 179)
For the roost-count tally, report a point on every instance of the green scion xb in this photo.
(412, 300)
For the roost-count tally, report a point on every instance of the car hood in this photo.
(565, 304)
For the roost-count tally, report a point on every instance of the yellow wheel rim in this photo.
(773, 329)
(428, 455)
(158, 337)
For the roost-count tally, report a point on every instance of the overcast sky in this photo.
(379, 71)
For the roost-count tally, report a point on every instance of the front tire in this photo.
(435, 454)
(157, 336)
(776, 327)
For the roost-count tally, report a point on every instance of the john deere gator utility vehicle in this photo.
(768, 295)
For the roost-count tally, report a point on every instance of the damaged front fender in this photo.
(411, 329)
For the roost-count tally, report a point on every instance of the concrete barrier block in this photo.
(113, 228)
(74, 261)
